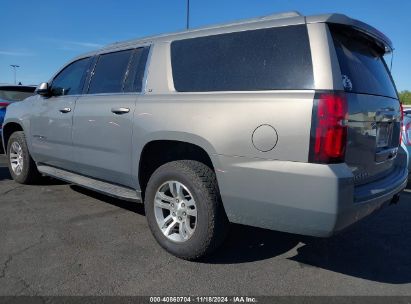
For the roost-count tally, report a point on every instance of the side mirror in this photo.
(43, 89)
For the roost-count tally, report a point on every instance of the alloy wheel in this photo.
(175, 210)
(16, 158)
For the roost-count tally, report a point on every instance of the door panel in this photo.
(102, 138)
(52, 117)
(51, 130)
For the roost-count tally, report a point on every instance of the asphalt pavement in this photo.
(59, 239)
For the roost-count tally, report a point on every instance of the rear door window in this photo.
(109, 72)
(134, 79)
(362, 64)
(265, 59)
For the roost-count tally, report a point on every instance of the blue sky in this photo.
(41, 36)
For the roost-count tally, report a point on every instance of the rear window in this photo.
(266, 59)
(109, 72)
(362, 65)
(134, 79)
(15, 94)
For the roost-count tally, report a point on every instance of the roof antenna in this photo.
(188, 15)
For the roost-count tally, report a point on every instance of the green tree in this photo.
(405, 97)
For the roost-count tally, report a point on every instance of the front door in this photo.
(52, 117)
(51, 125)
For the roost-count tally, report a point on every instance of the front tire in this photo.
(22, 167)
(184, 209)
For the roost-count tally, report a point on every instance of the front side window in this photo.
(109, 73)
(265, 59)
(71, 79)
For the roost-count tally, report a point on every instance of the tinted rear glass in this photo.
(134, 80)
(266, 59)
(109, 72)
(15, 94)
(362, 65)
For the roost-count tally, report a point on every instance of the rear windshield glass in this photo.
(15, 94)
(362, 65)
(266, 59)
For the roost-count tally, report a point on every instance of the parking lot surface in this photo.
(59, 239)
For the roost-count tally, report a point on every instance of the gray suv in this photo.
(284, 122)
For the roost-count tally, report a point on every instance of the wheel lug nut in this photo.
(184, 213)
(183, 205)
(179, 218)
(172, 205)
(174, 214)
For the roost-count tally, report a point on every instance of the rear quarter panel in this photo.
(228, 120)
(222, 123)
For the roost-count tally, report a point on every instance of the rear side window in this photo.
(134, 80)
(362, 65)
(266, 59)
(71, 79)
(109, 72)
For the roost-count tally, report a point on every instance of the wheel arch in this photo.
(8, 129)
(182, 146)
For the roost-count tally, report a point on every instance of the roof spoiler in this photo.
(358, 25)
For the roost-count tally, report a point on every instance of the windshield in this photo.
(362, 64)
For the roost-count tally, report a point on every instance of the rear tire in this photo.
(22, 167)
(200, 222)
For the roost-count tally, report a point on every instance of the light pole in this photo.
(14, 66)
(188, 14)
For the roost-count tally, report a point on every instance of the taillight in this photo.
(406, 133)
(402, 127)
(329, 129)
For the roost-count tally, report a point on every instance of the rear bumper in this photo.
(302, 198)
(351, 213)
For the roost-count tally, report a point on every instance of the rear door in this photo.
(373, 105)
(103, 118)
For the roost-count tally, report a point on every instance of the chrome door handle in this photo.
(120, 110)
(65, 110)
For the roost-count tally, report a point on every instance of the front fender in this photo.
(19, 113)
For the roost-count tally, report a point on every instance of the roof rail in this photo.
(275, 16)
(281, 15)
